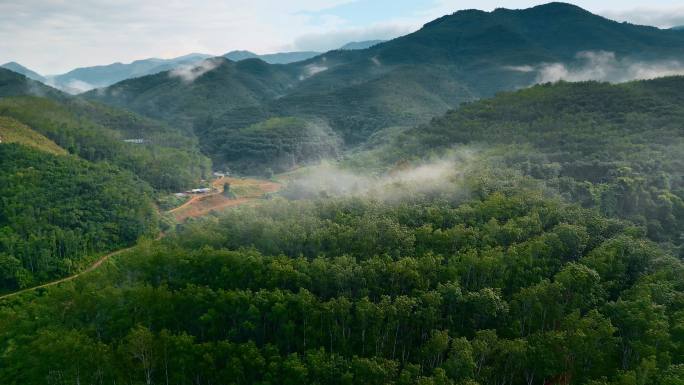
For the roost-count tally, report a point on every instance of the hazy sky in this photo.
(53, 36)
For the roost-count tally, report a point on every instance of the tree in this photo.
(140, 345)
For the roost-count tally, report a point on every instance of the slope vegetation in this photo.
(12, 131)
(503, 287)
(618, 148)
(165, 157)
(57, 210)
(457, 58)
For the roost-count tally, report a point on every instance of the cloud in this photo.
(312, 69)
(324, 41)
(525, 68)
(439, 175)
(79, 86)
(53, 36)
(663, 17)
(602, 66)
(73, 87)
(188, 73)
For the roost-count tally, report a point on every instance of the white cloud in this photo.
(188, 73)
(663, 17)
(312, 69)
(323, 41)
(53, 36)
(524, 68)
(602, 66)
(440, 175)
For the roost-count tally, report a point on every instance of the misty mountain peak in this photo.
(20, 69)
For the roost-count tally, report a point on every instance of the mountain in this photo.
(458, 58)
(616, 148)
(224, 85)
(13, 83)
(361, 44)
(72, 185)
(18, 68)
(241, 55)
(274, 58)
(87, 78)
(292, 57)
(532, 235)
(169, 158)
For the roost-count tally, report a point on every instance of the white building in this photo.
(136, 141)
(200, 190)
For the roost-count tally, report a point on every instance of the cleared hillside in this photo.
(13, 131)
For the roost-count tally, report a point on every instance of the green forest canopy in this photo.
(505, 287)
(168, 159)
(57, 211)
(617, 148)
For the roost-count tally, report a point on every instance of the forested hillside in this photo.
(210, 89)
(460, 57)
(57, 210)
(438, 209)
(617, 148)
(504, 287)
(12, 131)
(13, 84)
(278, 145)
(78, 189)
(168, 158)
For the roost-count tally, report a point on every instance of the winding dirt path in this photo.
(90, 268)
(197, 206)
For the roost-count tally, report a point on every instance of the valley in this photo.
(494, 198)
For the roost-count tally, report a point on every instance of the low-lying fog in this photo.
(331, 180)
(601, 66)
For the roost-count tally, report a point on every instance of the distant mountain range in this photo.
(406, 81)
(13, 83)
(355, 94)
(87, 78)
(18, 68)
(274, 58)
(292, 57)
(361, 44)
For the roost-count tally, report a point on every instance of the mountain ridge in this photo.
(86, 78)
(20, 69)
(295, 56)
(403, 82)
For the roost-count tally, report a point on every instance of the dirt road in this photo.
(90, 268)
(246, 190)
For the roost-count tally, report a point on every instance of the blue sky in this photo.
(53, 36)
